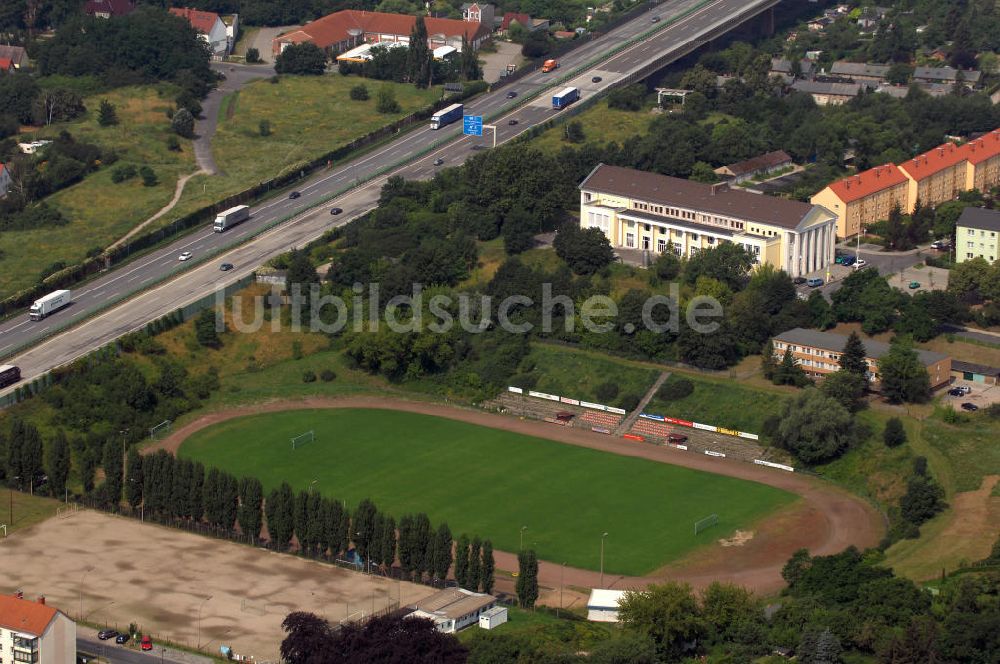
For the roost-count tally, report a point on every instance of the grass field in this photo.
(721, 402)
(576, 374)
(19, 510)
(491, 483)
(600, 125)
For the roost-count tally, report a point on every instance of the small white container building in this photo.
(493, 617)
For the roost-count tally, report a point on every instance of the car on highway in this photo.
(335, 211)
(511, 94)
(226, 267)
(860, 264)
(512, 122)
(596, 79)
(146, 643)
(184, 256)
(438, 161)
(294, 195)
(122, 639)
(106, 634)
(814, 282)
(970, 407)
(655, 19)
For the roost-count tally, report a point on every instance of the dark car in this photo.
(511, 94)
(335, 210)
(596, 79)
(677, 438)
(656, 19)
(122, 638)
(106, 634)
(798, 281)
(971, 407)
(955, 392)
(294, 195)
(512, 122)
(226, 267)
(848, 260)
(438, 161)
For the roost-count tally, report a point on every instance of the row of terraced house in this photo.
(932, 178)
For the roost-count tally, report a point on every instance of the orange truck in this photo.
(549, 65)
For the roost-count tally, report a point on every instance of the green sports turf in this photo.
(490, 482)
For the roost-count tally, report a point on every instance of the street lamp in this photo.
(562, 575)
(523, 528)
(602, 558)
(200, 606)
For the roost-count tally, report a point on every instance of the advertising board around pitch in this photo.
(472, 125)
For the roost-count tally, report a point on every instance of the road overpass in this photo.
(157, 283)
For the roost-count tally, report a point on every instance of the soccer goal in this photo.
(302, 439)
(67, 511)
(256, 608)
(160, 430)
(706, 523)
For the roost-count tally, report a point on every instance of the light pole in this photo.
(602, 558)
(523, 528)
(82, 577)
(562, 576)
(200, 607)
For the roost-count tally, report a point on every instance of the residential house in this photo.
(651, 212)
(871, 17)
(35, 632)
(862, 199)
(232, 23)
(818, 353)
(479, 13)
(860, 72)
(209, 25)
(452, 609)
(347, 29)
(4, 179)
(896, 91)
(983, 158)
(947, 75)
(15, 57)
(826, 93)
(108, 8)
(564, 34)
(782, 69)
(977, 235)
(975, 373)
(764, 164)
(819, 24)
(935, 176)
(6, 66)
(530, 24)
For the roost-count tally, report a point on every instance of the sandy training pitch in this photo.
(159, 577)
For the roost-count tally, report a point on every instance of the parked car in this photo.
(335, 210)
(294, 195)
(511, 94)
(814, 282)
(838, 259)
(970, 407)
(914, 285)
(798, 281)
(184, 256)
(106, 634)
(963, 389)
(122, 639)
(226, 267)
(860, 264)
(676, 438)
(848, 260)
(941, 245)
(147, 643)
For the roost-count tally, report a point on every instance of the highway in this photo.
(19, 337)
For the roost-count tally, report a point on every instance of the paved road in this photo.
(19, 332)
(111, 652)
(887, 265)
(236, 77)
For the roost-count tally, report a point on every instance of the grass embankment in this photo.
(600, 125)
(491, 482)
(720, 402)
(20, 511)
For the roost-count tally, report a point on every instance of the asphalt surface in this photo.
(109, 651)
(237, 76)
(886, 264)
(193, 282)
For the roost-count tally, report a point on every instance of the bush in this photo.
(265, 128)
(183, 123)
(993, 411)
(630, 401)
(359, 93)
(123, 172)
(327, 375)
(894, 434)
(302, 59)
(308, 376)
(173, 144)
(253, 56)
(386, 102)
(673, 390)
(606, 391)
(149, 178)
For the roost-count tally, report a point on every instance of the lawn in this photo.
(491, 483)
(575, 374)
(971, 448)
(721, 402)
(99, 211)
(22, 510)
(600, 125)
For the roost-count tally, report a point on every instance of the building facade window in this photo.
(630, 240)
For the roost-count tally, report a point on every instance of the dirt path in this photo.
(826, 520)
(178, 190)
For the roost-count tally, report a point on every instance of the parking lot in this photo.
(981, 395)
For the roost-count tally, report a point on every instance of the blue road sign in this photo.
(472, 125)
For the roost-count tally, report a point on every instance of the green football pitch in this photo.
(490, 483)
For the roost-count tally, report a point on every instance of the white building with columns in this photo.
(654, 213)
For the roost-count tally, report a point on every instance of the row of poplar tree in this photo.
(181, 489)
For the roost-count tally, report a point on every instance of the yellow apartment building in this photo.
(936, 176)
(863, 199)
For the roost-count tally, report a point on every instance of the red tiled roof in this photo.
(932, 161)
(6, 64)
(983, 148)
(864, 184)
(23, 615)
(199, 20)
(112, 7)
(16, 54)
(333, 28)
(523, 19)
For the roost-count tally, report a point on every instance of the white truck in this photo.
(229, 218)
(54, 301)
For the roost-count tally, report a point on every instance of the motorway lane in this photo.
(196, 281)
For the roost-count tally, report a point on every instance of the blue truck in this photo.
(565, 97)
(447, 115)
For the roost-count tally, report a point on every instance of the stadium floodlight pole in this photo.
(602, 558)
(200, 607)
(523, 528)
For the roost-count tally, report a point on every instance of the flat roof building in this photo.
(651, 212)
(452, 609)
(764, 164)
(603, 605)
(818, 353)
